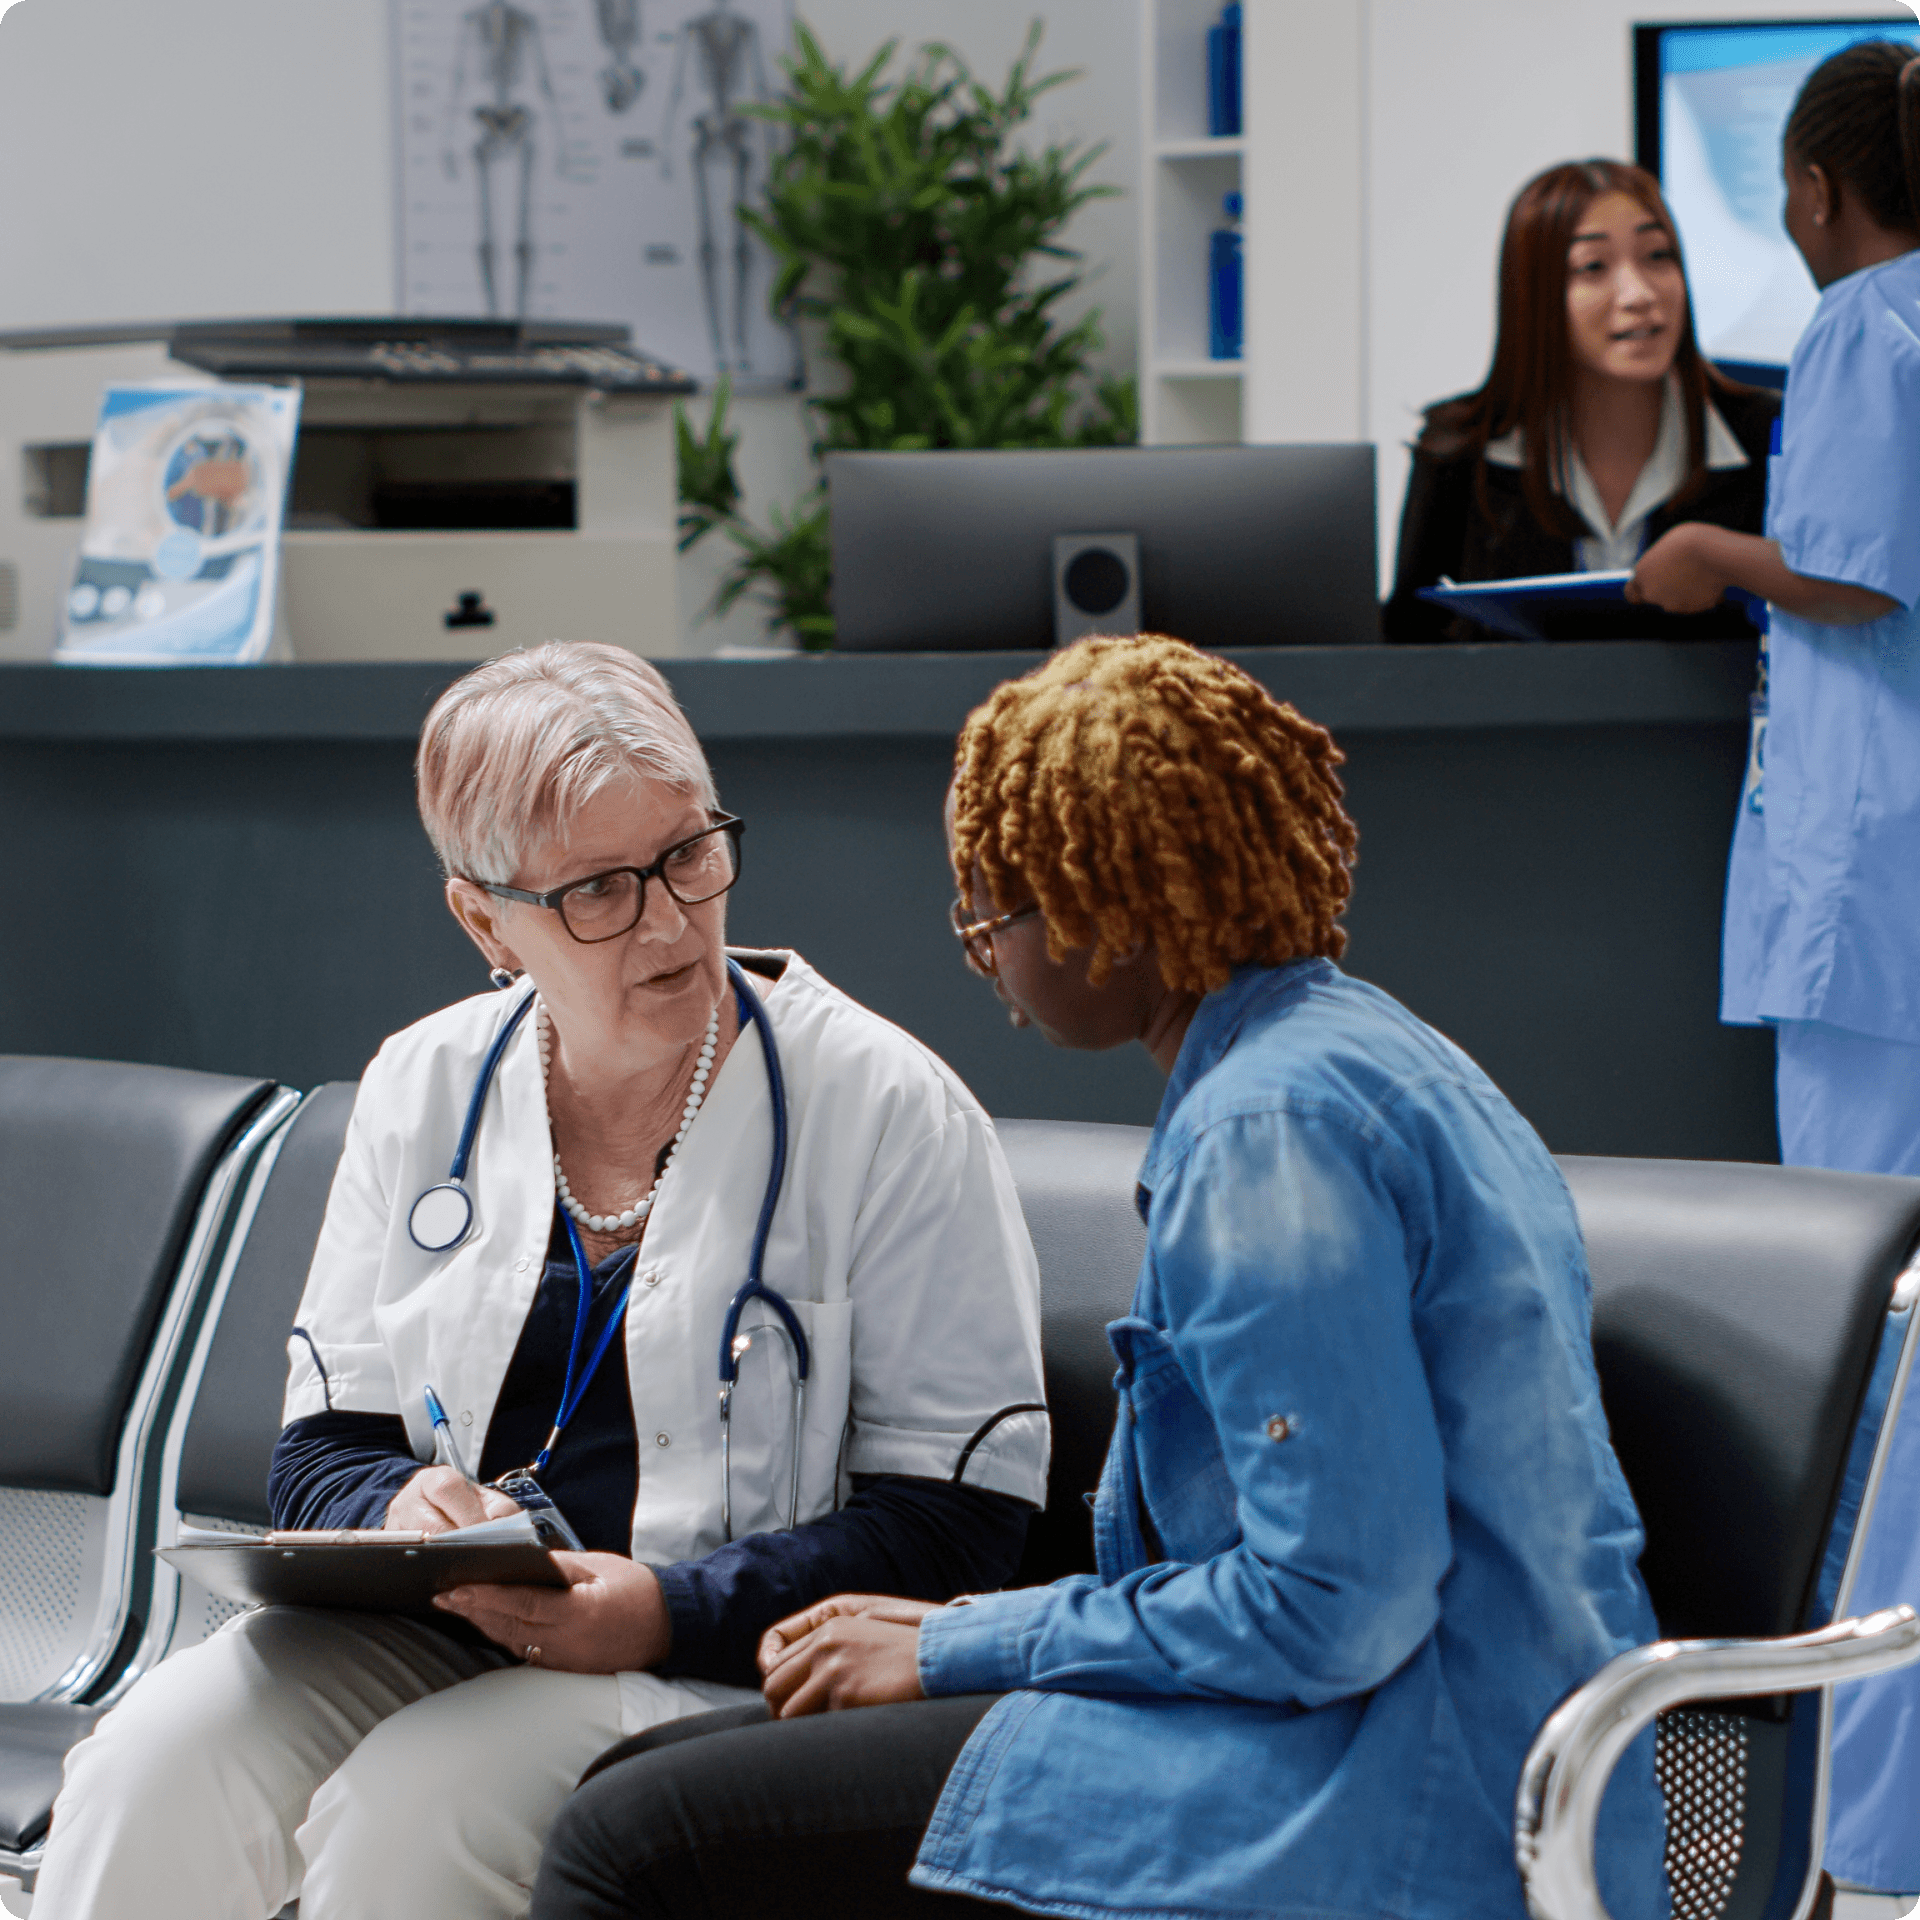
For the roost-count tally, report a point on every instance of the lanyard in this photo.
(572, 1393)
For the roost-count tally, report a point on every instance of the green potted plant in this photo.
(918, 247)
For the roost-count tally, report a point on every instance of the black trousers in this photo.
(732, 1813)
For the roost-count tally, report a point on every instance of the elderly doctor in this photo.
(370, 1764)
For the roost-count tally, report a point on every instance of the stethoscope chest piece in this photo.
(441, 1218)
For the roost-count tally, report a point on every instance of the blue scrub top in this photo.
(1823, 890)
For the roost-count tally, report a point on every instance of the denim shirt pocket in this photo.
(1165, 1461)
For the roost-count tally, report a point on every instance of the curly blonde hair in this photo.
(1139, 789)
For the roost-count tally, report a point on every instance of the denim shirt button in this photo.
(1281, 1426)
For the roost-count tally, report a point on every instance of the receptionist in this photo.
(1599, 425)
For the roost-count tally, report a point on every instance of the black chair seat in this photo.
(35, 1738)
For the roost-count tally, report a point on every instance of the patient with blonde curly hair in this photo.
(1360, 1526)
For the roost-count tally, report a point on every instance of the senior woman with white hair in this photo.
(371, 1764)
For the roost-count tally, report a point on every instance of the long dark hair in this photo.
(1530, 384)
(1858, 120)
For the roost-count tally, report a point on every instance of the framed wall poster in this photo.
(588, 160)
(179, 561)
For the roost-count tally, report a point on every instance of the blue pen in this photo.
(443, 1436)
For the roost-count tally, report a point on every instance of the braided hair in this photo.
(1141, 790)
(1858, 120)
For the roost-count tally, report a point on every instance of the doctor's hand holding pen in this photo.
(855, 1650)
(610, 1617)
(439, 1498)
(445, 1495)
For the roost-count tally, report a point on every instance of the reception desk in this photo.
(223, 868)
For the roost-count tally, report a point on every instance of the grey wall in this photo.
(224, 870)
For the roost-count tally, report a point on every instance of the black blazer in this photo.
(1446, 529)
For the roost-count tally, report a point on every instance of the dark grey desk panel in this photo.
(1543, 850)
(899, 696)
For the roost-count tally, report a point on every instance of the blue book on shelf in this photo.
(1223, 73)
(1226, 287)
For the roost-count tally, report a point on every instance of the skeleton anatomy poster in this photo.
(587, 160)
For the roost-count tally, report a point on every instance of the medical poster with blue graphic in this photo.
(180, 561)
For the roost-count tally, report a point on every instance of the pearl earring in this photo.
(503, 978)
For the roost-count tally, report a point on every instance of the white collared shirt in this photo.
(1618, 543)
(898, 1240)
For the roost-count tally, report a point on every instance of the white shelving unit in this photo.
(1185, 396)
(1299, 169)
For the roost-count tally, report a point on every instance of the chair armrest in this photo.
(1576, 1750)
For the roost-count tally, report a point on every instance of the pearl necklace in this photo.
(638, 1211)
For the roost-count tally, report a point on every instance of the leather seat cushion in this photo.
(35, 1737)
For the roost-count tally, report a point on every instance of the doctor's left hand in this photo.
(611, 1618)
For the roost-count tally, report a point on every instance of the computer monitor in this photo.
(1710, 100)
(1237, 546)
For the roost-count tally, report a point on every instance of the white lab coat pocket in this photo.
(766, 1412)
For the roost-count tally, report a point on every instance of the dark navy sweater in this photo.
(919, 1538)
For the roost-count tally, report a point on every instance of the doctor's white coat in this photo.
(898, 1240)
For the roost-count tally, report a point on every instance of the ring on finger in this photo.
(533, 1656)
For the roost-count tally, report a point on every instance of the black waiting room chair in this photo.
(1741, 1314)
(214, 1473)
(117, 1190)
(210, 1463)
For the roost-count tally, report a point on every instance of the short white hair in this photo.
(512, 750)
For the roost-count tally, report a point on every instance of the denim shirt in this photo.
(1360, 1527)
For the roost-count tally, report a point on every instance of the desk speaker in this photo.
(1096, 585)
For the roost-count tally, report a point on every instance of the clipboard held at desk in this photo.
(1569, 606)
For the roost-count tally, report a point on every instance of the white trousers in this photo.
(366, 1765)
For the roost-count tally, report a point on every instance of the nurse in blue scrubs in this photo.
(1823, 906)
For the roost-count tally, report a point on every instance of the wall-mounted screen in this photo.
(1711, 98)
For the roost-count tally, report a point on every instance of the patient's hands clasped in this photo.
(855, 1650)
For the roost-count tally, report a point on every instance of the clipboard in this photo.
(1537, 606)
(357, 1573)
(1573, 606)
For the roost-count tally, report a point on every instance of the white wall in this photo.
(1464, 103)
(162, 159)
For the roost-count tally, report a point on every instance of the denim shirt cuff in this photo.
(977, 1647)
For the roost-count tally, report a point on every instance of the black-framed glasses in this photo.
(603, 906)
(976, 936)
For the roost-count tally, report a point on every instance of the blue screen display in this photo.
(1724, 93)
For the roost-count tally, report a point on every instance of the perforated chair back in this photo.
(230, 1418)
(1737, 1315)
(114, 1188)
(1076, 1182)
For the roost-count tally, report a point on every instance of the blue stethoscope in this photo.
(442, 1218)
